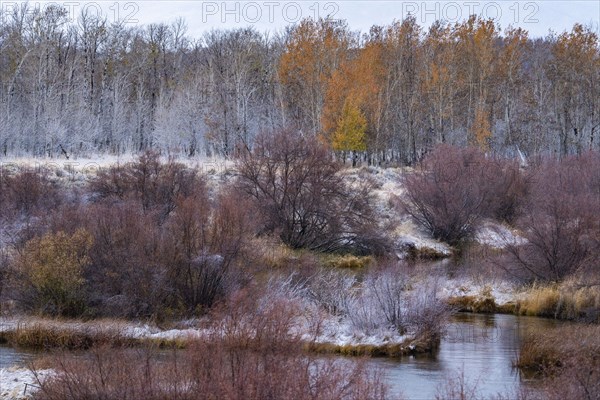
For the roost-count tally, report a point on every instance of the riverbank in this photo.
(478, 348)
(331, 336)
(565, 301)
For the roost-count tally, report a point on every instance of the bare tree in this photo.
(295, 186)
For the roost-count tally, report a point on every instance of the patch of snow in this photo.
(408, 235)
(503, 292)
(20, 383)
(340, 332)
(497, 236)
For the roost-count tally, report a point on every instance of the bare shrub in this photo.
(562, 223)
(509, 188)
(389, 299)
(208, 370)
(427, 315)
(27, 192)
(577, 378)
(388, 289)
(295, 185)
(458, 387)
(126, 277)
(156, 185)
(253, 353)
(201, 246)
(457, 187)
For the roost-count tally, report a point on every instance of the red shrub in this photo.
(155, 185)
(457, 187)
(28, 192)
(562, 223)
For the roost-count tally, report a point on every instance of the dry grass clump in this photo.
(371, 350)
(475, 304)
(565, 301)
(43, 336)
(569, 359)
(348, 261)
(484, 302)
(544, 350)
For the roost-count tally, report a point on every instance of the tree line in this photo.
(387, 95)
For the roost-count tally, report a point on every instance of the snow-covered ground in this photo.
(388, 192)
(20, 383)
(340, 332)
(90, 165)
(502, 292)
(498, 236)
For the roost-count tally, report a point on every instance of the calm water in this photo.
(483, 346)
(10, 357)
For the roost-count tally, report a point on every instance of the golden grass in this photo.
(348, 261)
(473, 304)
(564, 301)
(425, 254)
(45, 336)
(40, 336)
(543, 350)
(484, 302)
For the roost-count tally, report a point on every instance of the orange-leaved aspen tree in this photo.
(356, 84)
(481, 132)
(313, 51)
(477, 52)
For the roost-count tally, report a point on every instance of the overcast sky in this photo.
(538, 17)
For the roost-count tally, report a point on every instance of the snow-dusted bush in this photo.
(364, 314)
(388, 289)
(332, 290)
(426, 314)
(389, 300)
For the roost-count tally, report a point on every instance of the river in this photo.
(484, 347)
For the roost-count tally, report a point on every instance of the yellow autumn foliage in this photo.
(351, 128)
(54, 265)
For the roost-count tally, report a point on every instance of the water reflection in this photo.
(483, 346)
(10, 357)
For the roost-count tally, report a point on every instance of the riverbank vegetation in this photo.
(287, 241)
(569, 359)
(253, 355)
(156, 239)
